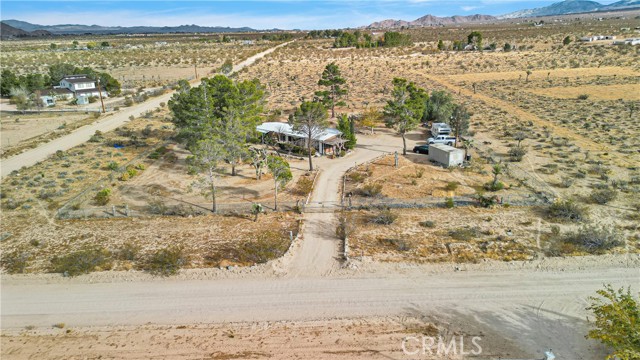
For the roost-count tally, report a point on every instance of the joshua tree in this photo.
(281, 172)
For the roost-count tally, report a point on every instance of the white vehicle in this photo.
(442, 139)
(438, 129)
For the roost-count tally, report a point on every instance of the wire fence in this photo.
(175, 208)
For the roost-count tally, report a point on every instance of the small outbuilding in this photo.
(446, 155)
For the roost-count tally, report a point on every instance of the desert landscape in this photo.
(299, 243)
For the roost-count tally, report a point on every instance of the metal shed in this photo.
(446, 155)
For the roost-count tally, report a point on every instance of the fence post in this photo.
(113, 210)
(126, 209)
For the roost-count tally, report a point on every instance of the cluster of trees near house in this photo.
(360, 39)
(25, 90)
(363, 40)
(216, 119)
(475, 40)
(411, 105)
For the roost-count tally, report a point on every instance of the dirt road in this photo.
(319, 253)
(546, 308)
(107, 123)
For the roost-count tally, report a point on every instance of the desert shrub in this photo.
(566, 182)
(158, 153)
(157, 206)
(128, 251)
(583, 96)
(82, 261)
(595, 239)
(603, 196)
(113, 166)
(166, 262)
(428, 224)
(103, 196)
(371, 190)
(566, 210)
(303, 186)
(491, 186)
(396, 244)
(465, 234)
(384, 217)
(449, 203)
(356, 176)
(14, 262)
(268, 246)
(96, 137)
(420, 173)
(451, 186)
(487, 201)
(517, 153)
(124, 176)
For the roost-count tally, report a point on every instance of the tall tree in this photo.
(405, 110)
(475, 38)
(309, 119)
(459, 121)
(207, 155)
(8, 81)
(281, 172)
(222, 109)
(439, 107)
(345, 124)
(333, 80)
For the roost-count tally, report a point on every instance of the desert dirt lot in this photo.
(488, 271)
(22, 131)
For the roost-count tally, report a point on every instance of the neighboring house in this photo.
(329, 142)
(80, 87)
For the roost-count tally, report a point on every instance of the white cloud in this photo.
(469, 8)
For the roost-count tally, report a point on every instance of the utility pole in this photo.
(101, 101)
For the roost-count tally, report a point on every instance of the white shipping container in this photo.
(446, 155)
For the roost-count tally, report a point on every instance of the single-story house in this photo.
(327, 142)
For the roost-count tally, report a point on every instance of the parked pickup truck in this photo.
(442, 139)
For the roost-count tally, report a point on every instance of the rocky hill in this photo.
(9, 32)
(430, 20)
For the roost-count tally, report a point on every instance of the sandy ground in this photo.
(105, 124)
(599, 92)
(17, 128)
(544, 301)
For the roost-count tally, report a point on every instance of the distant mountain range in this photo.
(430, 20)
(572, 7)
(10, 32)
(561, 8)
(97, 29)
(16, 28)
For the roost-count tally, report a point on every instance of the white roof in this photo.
(445, 148)
(286, 129)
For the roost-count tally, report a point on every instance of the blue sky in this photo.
(283, 14)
